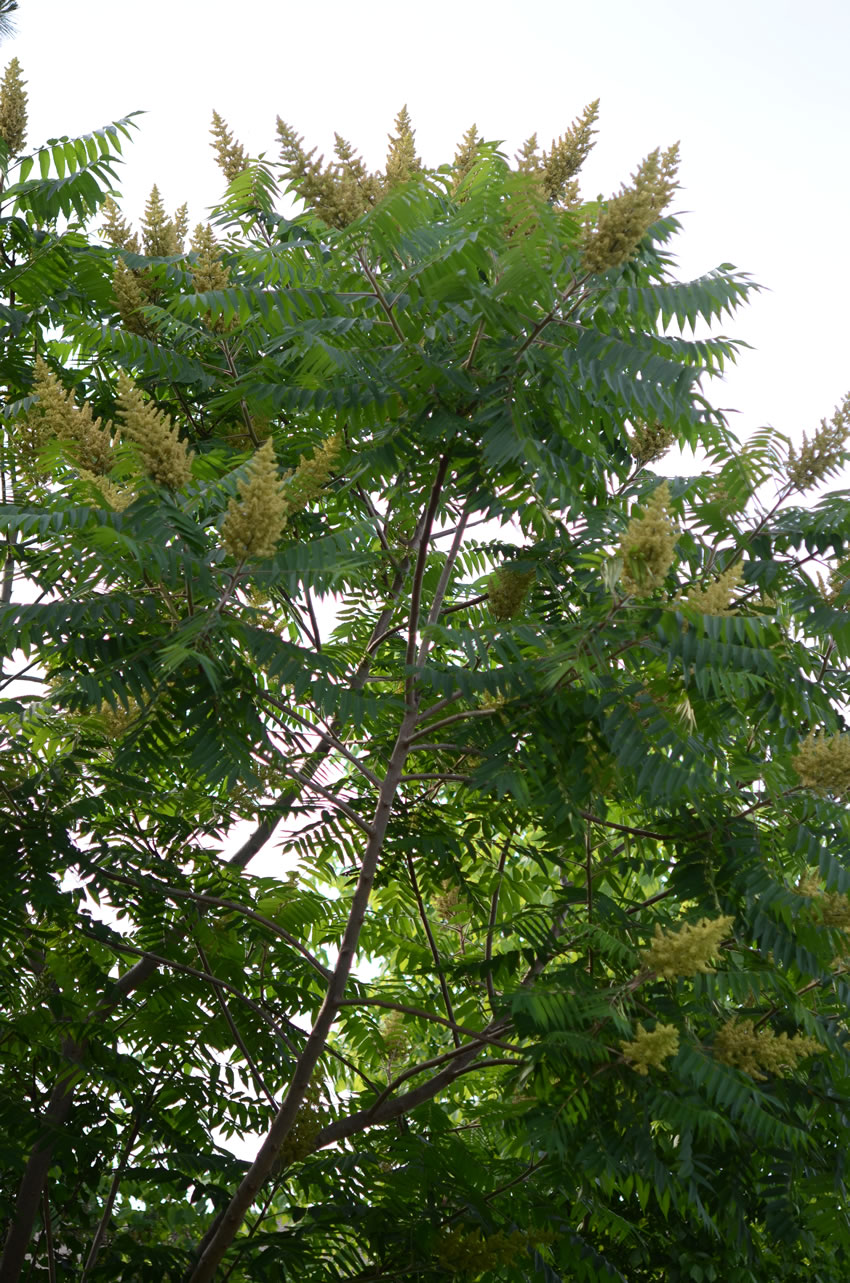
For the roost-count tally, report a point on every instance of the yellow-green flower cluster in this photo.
(13, 108)
(466, 154)
(738, 1043)
(57, 416)
(716, 598)
(648, 545)
(824, 455)
(309, 1120)
(688, 950)
(209, 273)
(256, 517)
(128, 287)
(395, 1036)
(832, 908)
(305, 483)
(161, 235)
(651, 1048)
(229, 154)
(117, 721)
(115, 497)
(507, 590)
(621, 224)
(402, 161)
(115, 230)
(823, 763)
(649, 441)
(166, 458)
(463, 1251)
(556, 169)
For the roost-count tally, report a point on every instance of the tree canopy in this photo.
(336, 534)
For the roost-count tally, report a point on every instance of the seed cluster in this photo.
(688, 950)
(738, 1043)
(651, 1048)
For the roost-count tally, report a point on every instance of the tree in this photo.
(344, 527)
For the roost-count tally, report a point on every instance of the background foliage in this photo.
(345, 526)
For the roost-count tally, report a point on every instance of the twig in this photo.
(494, 906)
(432, 944)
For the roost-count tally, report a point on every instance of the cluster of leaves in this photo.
(540, 801)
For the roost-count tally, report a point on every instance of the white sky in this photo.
(756, 90)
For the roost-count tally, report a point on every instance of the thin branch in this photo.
(310, 784)
(324, 734)
(432, 944)
(449, 721)
(233, 906)
(494, 907)
(48, 1235)
(477, 1035)
(419, 574)
(117, 1177)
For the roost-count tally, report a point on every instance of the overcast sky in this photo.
(756, 90)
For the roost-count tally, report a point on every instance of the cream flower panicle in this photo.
(256, 516)
(651, 1048)
(166, 458)
(648, 545)
(688, 950)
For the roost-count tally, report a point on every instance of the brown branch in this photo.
(432, 944)
(117, 1177)
(494, 907)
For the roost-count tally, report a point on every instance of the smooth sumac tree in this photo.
(343, 528)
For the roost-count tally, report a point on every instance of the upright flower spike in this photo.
(717, 597)
(402, 161)
(130, 298)
(738, 1043)
(648, 545)
(824, 455)
(229, 154)
(256, 517)
(13, 108)
(568, 154)
(209, 273)
(159, 233)
(649, 441)
(57, 415)
(115, 230)
(466, 154)
(621, 224)
(166, 458)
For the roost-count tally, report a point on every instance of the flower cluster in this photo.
(209, 273)
(162, 236)
(651, 1048)
(115, 497)
(118, 720)
(507, 590)
(832, 908)
(256, 516)
(166, 458)
(128, 288)
(305, 483)
(823, 763)
(649, 441)
(738, 1043)
(13, 108)
(716, 598)
(395, 1036)
(556, 170)
(688, 950)
(56, 415)
(648, 545)
(115, 230)
(300, 1140)
(824, 455)
(229, 154)
(463, 1251)
(622, 222)
(402, 161)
